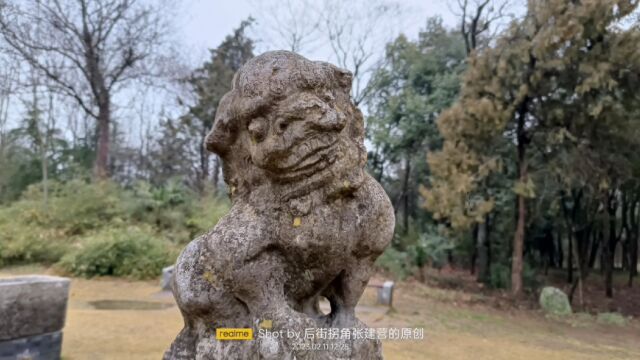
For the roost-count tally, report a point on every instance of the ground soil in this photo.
(459, 323)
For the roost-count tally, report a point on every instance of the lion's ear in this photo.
(222, 134)
(344, 78)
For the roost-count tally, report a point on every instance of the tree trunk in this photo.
(625, 255)
(633, 256)
(204, 162)
(560, 258)
(405, 193)
(580, 253)
(482, 252)
(45, 160)
(577, 283)
(595, 245)
(474, 254)
(518, 239)
(608, 247)
(570, 256)
(634, 238)
(101, 166)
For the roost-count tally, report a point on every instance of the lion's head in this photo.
(288, 120)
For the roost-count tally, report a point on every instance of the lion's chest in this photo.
(320, 245)
(328, 230)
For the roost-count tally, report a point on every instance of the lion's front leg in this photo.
(259, 284)
(345, 292)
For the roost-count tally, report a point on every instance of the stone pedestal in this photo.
(32, 314)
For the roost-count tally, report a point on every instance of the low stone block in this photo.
(167, 276)
(554, 301)
(32, 305)
(385, 293)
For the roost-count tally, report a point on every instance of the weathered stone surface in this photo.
(554, 301)
(32, 305)
(307, 221)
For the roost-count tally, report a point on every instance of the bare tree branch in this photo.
(476, 17)
(86, 48)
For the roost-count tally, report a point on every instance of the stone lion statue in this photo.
(306, 220)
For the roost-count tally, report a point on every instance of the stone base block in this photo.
(37, 347)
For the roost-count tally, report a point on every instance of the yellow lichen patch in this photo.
(346, 183)
(266, 324)
(297, 221)
(209, 277)
(233, 190)
(308, 275)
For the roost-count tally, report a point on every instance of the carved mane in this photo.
(256, 87)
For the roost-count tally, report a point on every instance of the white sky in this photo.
(203, 24)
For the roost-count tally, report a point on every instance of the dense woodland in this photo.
(508, 143)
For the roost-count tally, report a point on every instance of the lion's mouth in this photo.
(307, 158)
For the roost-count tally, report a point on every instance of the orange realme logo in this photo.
(234, 334)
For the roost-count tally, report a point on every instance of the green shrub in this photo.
(611, 318)
(104, 223)
(396, 262)
(207, 212)
(499, 276)
(430, 249)
(74, 207)
(132, 252)
(22, 245)
(28, 249)
(530, 278)
(175, 210)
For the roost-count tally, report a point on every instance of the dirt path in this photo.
(452, 331)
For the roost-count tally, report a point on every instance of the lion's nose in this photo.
(330, 120)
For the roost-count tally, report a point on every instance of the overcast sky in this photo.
(203, 24)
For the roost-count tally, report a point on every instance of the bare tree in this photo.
(357, 32)
(9, 77)
(354, 32)
(480, 17)
(89, 49)
(289, 24)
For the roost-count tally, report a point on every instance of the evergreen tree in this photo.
(211, 82)
(420, 80)
(557, 81)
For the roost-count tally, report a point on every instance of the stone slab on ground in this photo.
(32, 305)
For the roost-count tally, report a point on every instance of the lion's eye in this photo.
(258, 129)
(282, 124)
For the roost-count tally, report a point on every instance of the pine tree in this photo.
(211, 82)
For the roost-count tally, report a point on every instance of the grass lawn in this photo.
(454, 327)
